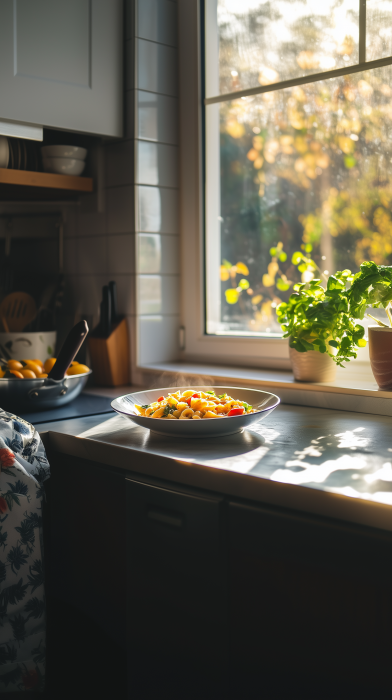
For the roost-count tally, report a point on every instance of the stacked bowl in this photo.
(64, 160)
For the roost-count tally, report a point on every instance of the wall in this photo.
(128, 229)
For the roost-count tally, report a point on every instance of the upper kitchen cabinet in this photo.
(61, 64)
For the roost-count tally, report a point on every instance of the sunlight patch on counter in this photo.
(112, 425)
(316, 473)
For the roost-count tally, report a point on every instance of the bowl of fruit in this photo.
(36, 385)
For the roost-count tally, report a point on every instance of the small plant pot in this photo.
(380, 353)
(312, 366)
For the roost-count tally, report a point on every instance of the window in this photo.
(298, 150)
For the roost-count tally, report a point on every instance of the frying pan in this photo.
(57, 389)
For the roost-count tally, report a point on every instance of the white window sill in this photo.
(354, 388)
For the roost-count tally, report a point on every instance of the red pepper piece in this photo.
(194, 396)
(160, 398)
(236, 411)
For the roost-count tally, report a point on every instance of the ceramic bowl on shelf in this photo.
(63, 166)
(75, 152)
(262, 401)
(4, 152)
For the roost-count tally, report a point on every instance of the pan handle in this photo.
(67, 353)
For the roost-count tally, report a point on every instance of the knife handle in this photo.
(113, 293)
(106, 312)
(70, 348)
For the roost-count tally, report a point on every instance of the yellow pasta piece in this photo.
(139, 409)
(195, 416)
(171, 417)
(176, 414)
(210, 414)
(158, 413)
(182, 405)
(148, 411)
(188, 393)
(188, 413)
(198, 404)
(220, 408)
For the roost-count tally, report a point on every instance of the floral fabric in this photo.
(23, 469)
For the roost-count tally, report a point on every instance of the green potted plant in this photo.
(321, 328)
(372, 287)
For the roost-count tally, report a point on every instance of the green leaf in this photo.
(296, 258)
(273, 252)
(283, 256)
(282, 286)
(226, 264)
(349, 161)
(334, 284)
(308, 248)
(244, 284)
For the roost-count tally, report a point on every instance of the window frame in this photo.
(263, 351)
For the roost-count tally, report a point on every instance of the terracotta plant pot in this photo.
(380, 353)
(312, 366)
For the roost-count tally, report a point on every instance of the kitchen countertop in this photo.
(330, 463)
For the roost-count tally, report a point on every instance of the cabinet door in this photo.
(176, 593)
(61, 64)
(309, 602)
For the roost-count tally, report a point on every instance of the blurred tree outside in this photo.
(306, 168)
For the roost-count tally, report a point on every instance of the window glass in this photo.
(260, 43)
(378, 29)
(305, 169)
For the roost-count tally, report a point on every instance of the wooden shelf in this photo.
(28, 185)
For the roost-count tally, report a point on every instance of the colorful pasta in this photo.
(192, 404)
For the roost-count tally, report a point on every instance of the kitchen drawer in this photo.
(308, 596)
(176, 590)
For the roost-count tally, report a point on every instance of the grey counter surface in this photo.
(319, 461)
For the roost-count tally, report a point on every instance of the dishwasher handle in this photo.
(165, 517)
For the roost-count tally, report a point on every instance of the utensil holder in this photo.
(110, 356)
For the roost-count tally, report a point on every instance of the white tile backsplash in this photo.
(70, 257)
(136, 189)
(156, 68)
(149, 294)
(151, 328)
(91, 224)
(121, 254)
(90, 294)
(148, 253)
(120, 209)
(120, 163)
(157, 21)
(157, 254)
(156, 164)
(156, 209)
(125, 293)
(157, 294)
(156, 117)
(92, 255)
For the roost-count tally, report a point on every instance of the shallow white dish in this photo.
(63, 166)
(263, 401)
(64, 152)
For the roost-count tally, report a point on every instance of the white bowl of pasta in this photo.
(200, 411)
